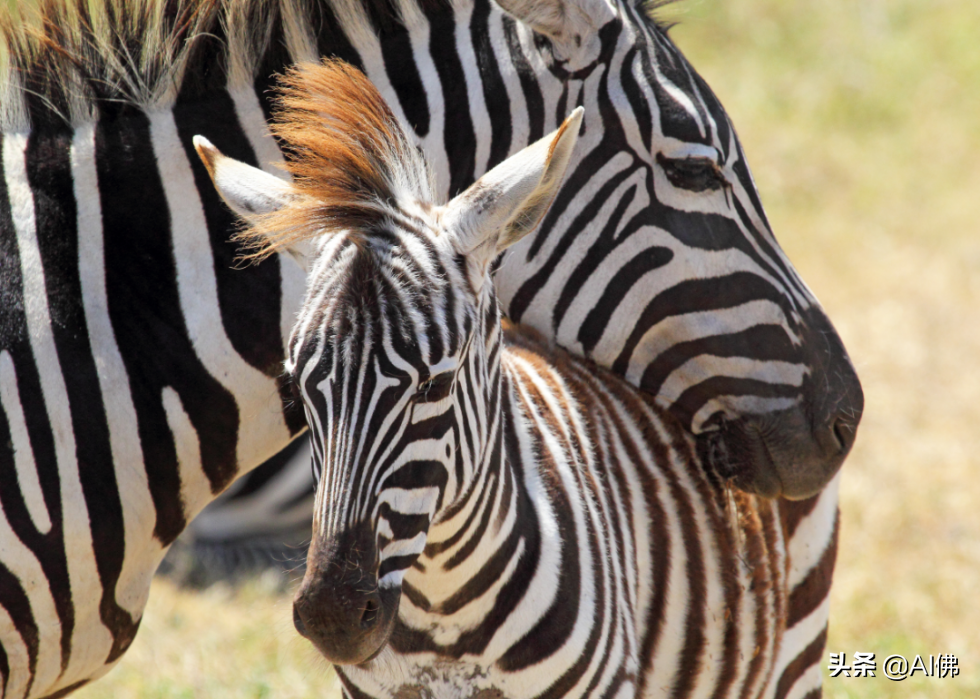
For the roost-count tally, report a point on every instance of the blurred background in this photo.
(861, 121)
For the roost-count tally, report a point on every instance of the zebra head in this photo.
(657, 259)
(396, 351)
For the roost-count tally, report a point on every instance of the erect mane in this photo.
(351, 162)
(67, 61)
(60, 58)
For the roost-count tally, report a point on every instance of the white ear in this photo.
(508, 202)
(249, 191)
(569, 24)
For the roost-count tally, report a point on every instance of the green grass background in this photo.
(861, 120)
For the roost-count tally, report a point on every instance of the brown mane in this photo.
(350, 161)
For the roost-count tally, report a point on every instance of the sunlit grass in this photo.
(861, 119)
(217, 643)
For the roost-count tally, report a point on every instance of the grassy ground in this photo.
(861, 119)
(219, 644)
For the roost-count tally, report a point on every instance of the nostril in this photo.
(843, 432)
(298, 622)
(370, 615)
(839, 435)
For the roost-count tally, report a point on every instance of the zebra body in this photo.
(262, 522)
(492, 518)
(140, 371)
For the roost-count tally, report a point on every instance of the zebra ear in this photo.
(508, 202)
(568, 24)
(249, 191)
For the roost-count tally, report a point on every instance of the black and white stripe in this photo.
(140, 368)
(494, 518)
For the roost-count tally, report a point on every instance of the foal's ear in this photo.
(569, 24)
(246, 189)
(508, 202)
(249, 191)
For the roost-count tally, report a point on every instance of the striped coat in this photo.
(140, 371)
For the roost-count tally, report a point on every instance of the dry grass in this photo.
(220, 643)
(861, 119)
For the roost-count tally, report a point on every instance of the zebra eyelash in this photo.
(435, 388)
(695, 174)
(291, 384)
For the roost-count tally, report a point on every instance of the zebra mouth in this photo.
(355, 635)
(777, 454)
(339, 607)
(738, 455)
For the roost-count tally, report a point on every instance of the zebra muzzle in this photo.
(339, 606)
(795, 452)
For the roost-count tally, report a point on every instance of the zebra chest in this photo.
(418, 692)
(422, 676)
(451, 680)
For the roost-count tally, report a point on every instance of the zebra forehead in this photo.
(381, 289)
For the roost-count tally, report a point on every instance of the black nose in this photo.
(794, 452)
(298, 622)
(336, 607)
(372, 612)
(837, 436)
(339, 606)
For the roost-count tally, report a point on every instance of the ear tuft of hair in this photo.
(350, 160)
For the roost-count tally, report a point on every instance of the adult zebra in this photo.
(139, 371)
(491, 519)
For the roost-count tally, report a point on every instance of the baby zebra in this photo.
(493, 517)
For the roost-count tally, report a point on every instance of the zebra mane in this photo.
(653, 9)
(67, 61)
(351, 162)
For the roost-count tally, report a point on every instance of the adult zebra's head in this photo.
(396, 351)
(657, 260)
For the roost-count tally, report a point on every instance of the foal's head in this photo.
(396, 349)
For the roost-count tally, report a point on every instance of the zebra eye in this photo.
(695, 174)
(435, 389)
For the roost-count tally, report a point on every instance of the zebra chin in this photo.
(340, 607)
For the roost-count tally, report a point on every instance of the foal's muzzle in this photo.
(339, 606)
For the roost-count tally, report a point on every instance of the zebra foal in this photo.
(493, 518)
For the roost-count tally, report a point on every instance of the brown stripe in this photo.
(803, 662)
(815, 587)
(792, 513)
(692, 653)
(770, 609)
(658, 531)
